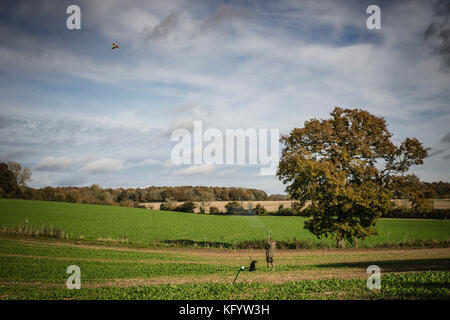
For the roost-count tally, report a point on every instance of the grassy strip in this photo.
(13, 247)
(52, 233)
(425, 285)
(30, 269)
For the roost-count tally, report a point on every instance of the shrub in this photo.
(411, 213)
(187, 206)
(214, 210)
(260, 210)
(126, 203)
(234, 208)
(168, 206)
(282, 211)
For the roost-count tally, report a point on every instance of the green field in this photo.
(36, 269)
(426, 285)
(92, 222)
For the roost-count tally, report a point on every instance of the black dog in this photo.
(252, 266)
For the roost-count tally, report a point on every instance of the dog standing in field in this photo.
(270, 251)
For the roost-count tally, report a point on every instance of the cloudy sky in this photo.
(78, 113)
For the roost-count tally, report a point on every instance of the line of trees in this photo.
(441, 190)
(132, 196)
(236, 208)
(13, 179)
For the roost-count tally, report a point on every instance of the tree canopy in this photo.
(345, 167)
(21, 175)
(8, 184)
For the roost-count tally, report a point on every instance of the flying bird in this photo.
(114, 46)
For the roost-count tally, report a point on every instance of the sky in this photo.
(77, 112)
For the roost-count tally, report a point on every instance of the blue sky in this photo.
(78, 113)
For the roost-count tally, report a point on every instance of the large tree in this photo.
(345, 168)
(8, 184)
(21, 175)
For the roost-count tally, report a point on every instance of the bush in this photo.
(404, 213)
(234, 208)
(214, 210)
(282, 211)
(260, 210)
(187, 206)
(168, 206)
(126, 203)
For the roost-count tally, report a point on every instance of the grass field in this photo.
(35, 267)
(92, 222)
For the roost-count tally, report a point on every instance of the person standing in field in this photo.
(270, 251)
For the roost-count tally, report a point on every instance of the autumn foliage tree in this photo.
(346, 168)
(21, 175)
(8, 184)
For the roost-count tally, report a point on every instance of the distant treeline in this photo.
(13, 177)
(127, 197)
(440, 190)
(133, 196)
(279, 197)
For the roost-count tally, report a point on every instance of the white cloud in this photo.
(227, 172)
(103, 165)
(169, 164)
(196, 169)
(56, 164)
(149, 162)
